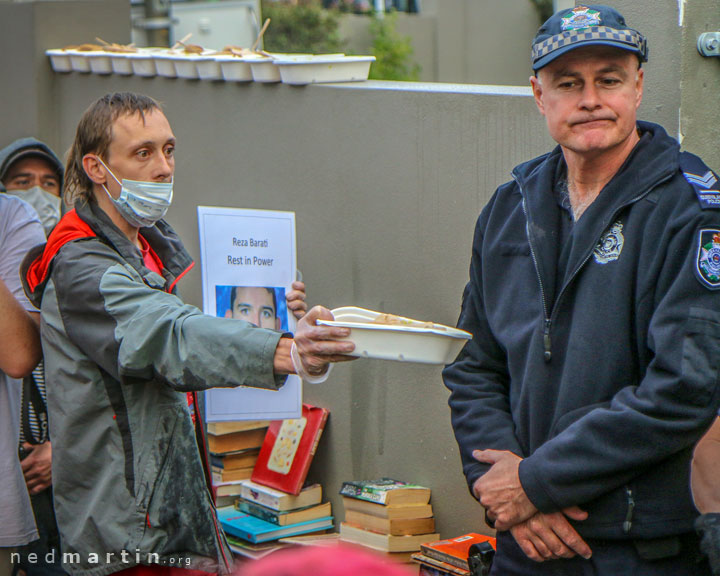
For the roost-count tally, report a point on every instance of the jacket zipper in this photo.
(627, 525)
(547, 323)
(547, 354)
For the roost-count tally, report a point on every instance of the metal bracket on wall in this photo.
(708, 44)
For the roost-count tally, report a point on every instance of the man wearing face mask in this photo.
(30, 170)
(121, 350)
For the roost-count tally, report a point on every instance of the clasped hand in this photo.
(541, 536)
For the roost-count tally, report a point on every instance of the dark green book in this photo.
(284, 518)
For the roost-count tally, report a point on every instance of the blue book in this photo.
(256, 530)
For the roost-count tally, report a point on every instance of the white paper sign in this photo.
(248, 262)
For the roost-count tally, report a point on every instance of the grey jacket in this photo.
(119, 348)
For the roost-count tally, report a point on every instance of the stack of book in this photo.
(274, 501)
(445, 557)
(263, 514)
(387, 515)
(234, 450)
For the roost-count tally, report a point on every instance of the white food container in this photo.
(264, 70)
(324, 68)
(208, 67)
(79, 60)
(165, 64)
(411, 341)
(59, 60)
(186, 65)
(143, 63)
(100, 62)
(121, 64)
(235, 68)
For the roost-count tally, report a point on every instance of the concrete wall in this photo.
(658, 21)
(485, 41)
(386, 181)
(27, 29)
(700, 124)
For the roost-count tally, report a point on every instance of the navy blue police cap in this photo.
(591, 25)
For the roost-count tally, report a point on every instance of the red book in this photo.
(288, 449)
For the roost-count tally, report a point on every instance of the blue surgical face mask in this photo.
(141, 203)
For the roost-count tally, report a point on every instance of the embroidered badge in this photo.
(708, 258)
(581, 17)
(610, 244)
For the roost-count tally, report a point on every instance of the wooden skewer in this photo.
(181, 42)
(257, 41)
(102, 41)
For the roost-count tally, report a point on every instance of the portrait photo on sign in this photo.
(263, 306)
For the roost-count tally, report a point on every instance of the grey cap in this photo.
(27, 147)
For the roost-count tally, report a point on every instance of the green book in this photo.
(386, 491)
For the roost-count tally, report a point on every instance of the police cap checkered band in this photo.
(585, 26)
(603, 35)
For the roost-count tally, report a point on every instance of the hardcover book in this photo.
(220, 475)
(389, 512)
(288, 449)
(220, 428)
(455, 551)
(235, 460)
(386, 491)
(236, 441)
(284, 518)
(280, 501)
(256, 530)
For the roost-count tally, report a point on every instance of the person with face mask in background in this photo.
(30, 170)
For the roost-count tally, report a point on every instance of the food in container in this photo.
(165, 63)
(186, 59)
(324, 68)
(208, 67)
(263, 70)
(234, 63)
(387, 337)
(59, 60)
(143, 62)
(121, 63)
(100, 62)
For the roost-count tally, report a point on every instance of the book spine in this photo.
(262, 498)
(258, 511)
(308, 460)
(449, 559)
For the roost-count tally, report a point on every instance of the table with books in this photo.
(264, 505)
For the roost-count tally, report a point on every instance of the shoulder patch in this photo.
(707, 263)
(703, 180)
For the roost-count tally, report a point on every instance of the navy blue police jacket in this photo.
(604, 382)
